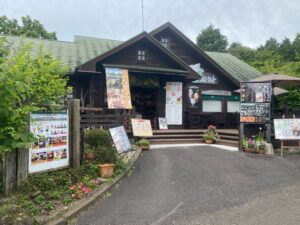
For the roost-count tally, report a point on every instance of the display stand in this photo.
(282, 146)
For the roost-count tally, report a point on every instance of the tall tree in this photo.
(286, 50)
(244, 53)
(211, 39)
(28, 28)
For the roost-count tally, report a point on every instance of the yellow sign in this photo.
(117, 85)
(141, 128)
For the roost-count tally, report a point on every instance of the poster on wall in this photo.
(163, 123)
(256, 92)
(194, 96)
(174, 103)
(287, 129)
(117, 86)
(120, 139)
(255, 112)
(51, 148)
(141, 128)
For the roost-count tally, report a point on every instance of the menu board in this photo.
(287, 129)
(174, 103)
(163, 123)
(51, 148)
(117, 86)
(256, 92)
(120, 139)
(255, 112)
(141, 128)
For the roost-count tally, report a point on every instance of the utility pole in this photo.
(142, 3)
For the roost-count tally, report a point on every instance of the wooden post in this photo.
(22, 166)
(9, 172)
(75, 120)
(241, 134)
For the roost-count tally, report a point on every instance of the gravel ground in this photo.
(202, 185)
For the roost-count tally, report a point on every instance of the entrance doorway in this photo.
(144, 100)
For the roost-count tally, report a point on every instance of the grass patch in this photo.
(45, 192)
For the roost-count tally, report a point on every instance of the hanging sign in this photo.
(141, 128)
(163, 124)
(194, 96)
(287, 129)
(117, 85)
(174, 103)
(256, 92)
(120, 139)
(255, 112)
(51, 148)
(217, 92)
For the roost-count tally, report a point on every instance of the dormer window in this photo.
(141, 55)
(165, 42)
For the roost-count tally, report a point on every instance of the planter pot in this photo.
(249, 150)
(145, 147)
(209, 141)
(89, 156)
(106, 170)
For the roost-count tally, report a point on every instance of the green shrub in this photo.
(143, 142)
(97, 138)
(106, 155)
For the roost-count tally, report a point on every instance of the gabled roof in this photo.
(141, 36)
(238, 69)
(85, 49)
(230, 66)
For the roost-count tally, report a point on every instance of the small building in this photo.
(208, 79)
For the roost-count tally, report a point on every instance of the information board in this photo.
(256, 92)
(117, 86)
(174, 103)
(51, 148)
(287, 129)
(141, 128)
(120, 139)
(255, 112)
(163, 123)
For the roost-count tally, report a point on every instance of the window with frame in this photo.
(141, 55)
(211, 106)
(233, 106)
(165, 42)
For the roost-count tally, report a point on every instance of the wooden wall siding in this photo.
(190, 56)
(128, 56)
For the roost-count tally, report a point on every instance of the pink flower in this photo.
(72, 187)
(73, 195)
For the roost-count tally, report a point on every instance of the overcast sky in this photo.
(250, 22)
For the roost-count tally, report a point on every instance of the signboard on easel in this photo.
(287, 129)
(120, 139)
(141, 128)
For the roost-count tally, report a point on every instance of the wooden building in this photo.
(163, 55)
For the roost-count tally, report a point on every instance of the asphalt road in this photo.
(202, 185)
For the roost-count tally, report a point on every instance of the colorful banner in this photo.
(51, 148)
(163, 123)
(256, 92)
(174, 103)
(141, 128)
(120, 139)
(117, 86)
(287, 129)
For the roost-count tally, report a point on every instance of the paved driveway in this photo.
(202, 185)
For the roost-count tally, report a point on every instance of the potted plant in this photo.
(144, 144)
(210, 135)
(250, 145)
(91, 139)
(260, 142)
(105, 154)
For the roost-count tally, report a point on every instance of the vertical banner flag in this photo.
(117, 85)
(174, 103)
(120, 139)
(51, 148)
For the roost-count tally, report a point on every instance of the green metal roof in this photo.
(84, 49)
(238, 69)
